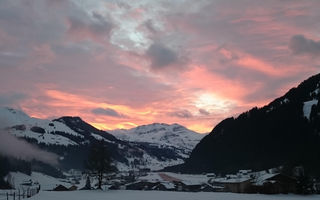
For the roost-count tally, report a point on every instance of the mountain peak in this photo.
(72, 119)
(162, 134)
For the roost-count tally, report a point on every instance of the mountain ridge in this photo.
(285, 132)
(162, 134)
(70, 137)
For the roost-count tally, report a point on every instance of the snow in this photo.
(188, 179)
(284, 101)
(161, 134)
(168, 185)
(99, 137)
(12, 117)
(231, 180)
(46, 182)
(307, 107)
(45, 138)
(161, 195)
(262, 179)
(316, 91)
(172, 137)
(151, 177)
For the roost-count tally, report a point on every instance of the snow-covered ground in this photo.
(159, 195)
(46, 182)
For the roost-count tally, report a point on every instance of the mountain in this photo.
(165, 135)
(70, 138)
(285, 133)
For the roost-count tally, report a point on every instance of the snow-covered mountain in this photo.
(161, 134)
(21, 125)
(70, 138)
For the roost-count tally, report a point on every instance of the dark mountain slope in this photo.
(285, 132)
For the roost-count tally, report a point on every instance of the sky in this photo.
(120, 64)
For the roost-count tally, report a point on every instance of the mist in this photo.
(12, 146)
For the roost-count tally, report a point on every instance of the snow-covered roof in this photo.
(231, 180)
(168, 185)
(263, 178)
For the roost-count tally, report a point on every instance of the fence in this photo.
(18, 194)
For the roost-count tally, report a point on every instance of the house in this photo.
(179, 186)
(211, 175)
(275, 184)
(163, 186)
(60, 188)
(211, 188)
(192, 186)
(233, 184)
(140, 185)
(72, 188)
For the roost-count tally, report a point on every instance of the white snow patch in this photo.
(307, 107)
(98, 137)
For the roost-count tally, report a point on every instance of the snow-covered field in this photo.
(159, 195)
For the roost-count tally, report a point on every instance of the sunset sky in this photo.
(123, 63)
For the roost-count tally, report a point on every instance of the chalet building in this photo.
(164, 186)
(236, 185)
(160, 187)
(73, 188)
(60, 188)
(140, 185)
(210, 188)
(242, 186)
(275, 184)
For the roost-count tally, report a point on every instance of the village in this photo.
(245, 181)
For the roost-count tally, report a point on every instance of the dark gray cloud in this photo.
(161, 56)
(97, 25)
(181, 114)
(203, 112)
(13, 147)
(302, 45)
(108, 112)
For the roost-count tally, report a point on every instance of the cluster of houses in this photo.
(245, 181)
(259, 182)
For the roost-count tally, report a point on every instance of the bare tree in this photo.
(98, 162)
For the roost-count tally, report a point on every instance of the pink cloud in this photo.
(154, 61)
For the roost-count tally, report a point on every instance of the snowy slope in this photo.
(42, 130)
(70, 138)
(46, 182)
(162, 134)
